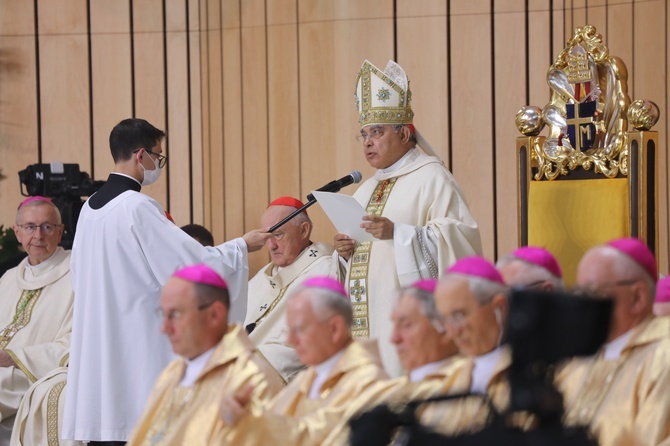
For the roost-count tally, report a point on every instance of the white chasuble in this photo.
(433, 229)
(36, 307)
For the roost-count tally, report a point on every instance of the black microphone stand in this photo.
(311, 201)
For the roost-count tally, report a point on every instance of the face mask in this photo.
(151, 176)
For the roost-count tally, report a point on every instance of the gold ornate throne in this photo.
(589, 179)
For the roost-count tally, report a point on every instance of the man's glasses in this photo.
(46, 228)
(174, 315)
(162, 159)
(600, 290)
(375, 133)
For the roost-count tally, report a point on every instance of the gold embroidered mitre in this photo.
(383, 97)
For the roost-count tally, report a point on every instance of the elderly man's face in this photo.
(417, 340)
(314, 339)
(382, 145)
(188, 325)
(38, 231)
(474, 327)
(597, 276)
(289, 240)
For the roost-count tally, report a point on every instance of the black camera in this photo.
(65, 184)
(542, 329)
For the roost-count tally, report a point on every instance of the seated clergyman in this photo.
(319, 317)
(294, 258)
(36, 302)
(471, 298)
(622, 391)
(426, 352)
(215, 359)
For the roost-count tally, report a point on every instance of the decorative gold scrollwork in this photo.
(587, 114)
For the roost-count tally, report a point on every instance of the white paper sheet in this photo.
(345, 213)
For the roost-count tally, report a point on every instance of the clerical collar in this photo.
(483, 369)
(614, 348)
(35, 269)
(117, 183)
(407, 158)
(420, 373)
(127, 176)
(194, 367)
(322, 371)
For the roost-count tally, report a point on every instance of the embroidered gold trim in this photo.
(52, 414)
(360, 263)
(272, 305)
(64, 362)
(21, 366)
(24, 310)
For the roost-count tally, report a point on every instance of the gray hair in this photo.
(398, 127)
(427, 304)
(627, 267)
(326, 303)
(484, 290)
(35, 203)
(532, 272)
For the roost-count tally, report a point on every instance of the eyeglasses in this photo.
(46, 228)
(376, 133)
(162, 159)
(174, 315)
(456, 319)
(598, 290)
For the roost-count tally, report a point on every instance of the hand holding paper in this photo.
(345, 213)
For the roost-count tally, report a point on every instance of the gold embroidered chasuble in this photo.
(293, 418)
(176, 415)
(626, 401)
(35, 325)
(433, 229)
(470, 414)
(395, 393)
(266, 305)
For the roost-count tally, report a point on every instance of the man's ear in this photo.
(304, 229)
(406, 134)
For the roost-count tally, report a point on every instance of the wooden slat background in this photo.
(257, 95)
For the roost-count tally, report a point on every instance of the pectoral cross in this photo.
(357, 290)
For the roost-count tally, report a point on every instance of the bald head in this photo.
(606, 271)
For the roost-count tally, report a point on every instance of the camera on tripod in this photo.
(66, 185)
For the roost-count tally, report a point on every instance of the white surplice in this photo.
(123, 254)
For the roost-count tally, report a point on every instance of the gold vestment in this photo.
(177, 415)
(626, 401)
(395, 393)
(293, 418)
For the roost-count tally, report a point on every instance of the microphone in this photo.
(334, 186)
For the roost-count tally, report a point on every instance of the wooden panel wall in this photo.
(257, 95)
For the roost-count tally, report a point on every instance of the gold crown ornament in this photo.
(383, 97)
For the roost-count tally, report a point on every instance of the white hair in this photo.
(326, 303)
(427, 304)
(625, 266)
(532, 272)
(35, 203)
